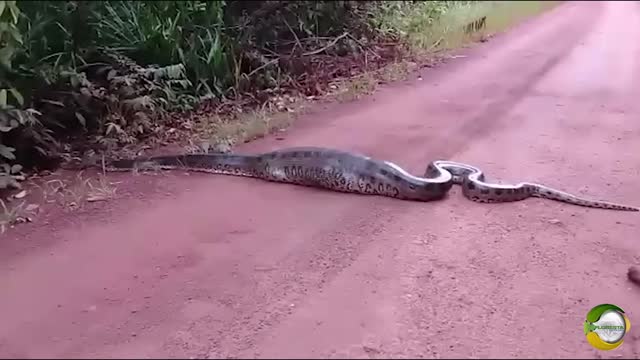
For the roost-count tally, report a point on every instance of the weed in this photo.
(73, 194)
(101, 190)
(15, 212)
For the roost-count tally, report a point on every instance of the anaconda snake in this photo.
(343, 171)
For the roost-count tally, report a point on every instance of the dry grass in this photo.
(346, 90)
(69, 194)
(220, 134)
(74, 194)
(397, 71)
(354, 88)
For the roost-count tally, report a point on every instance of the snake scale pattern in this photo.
(348, 172)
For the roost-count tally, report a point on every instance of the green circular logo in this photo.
(605, 326)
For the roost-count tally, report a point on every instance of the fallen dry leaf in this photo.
(32, 207)
(21, 194)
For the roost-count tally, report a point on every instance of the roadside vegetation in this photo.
(84, 79)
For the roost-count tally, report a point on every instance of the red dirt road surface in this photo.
(216, 266)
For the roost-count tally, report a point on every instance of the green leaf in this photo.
(81, 119)
(3, 4)
(16, 168)
(3, 98)
(9, 182)
(16, 95)
(33, 112)
(6, 53)
(13, 30)
(15, 12)
(53, 102)
(7, 152)
(4, 122)
(74, 81)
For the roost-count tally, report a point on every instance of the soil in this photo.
(198, 265)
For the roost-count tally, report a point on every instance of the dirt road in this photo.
(202, 265)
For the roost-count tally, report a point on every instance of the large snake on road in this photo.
(347, 172)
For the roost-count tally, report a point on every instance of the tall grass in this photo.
(171, 32)
(436, 25)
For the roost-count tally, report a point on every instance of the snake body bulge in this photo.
(354, 173)
(309, 166)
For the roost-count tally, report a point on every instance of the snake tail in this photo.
(476, 189)
(229, 164)
(545, 192)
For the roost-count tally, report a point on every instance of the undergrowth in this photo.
(82, 77)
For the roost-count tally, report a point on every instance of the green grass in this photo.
(503, 15)
(447, 30)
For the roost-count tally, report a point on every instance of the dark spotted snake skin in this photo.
(354, 173)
